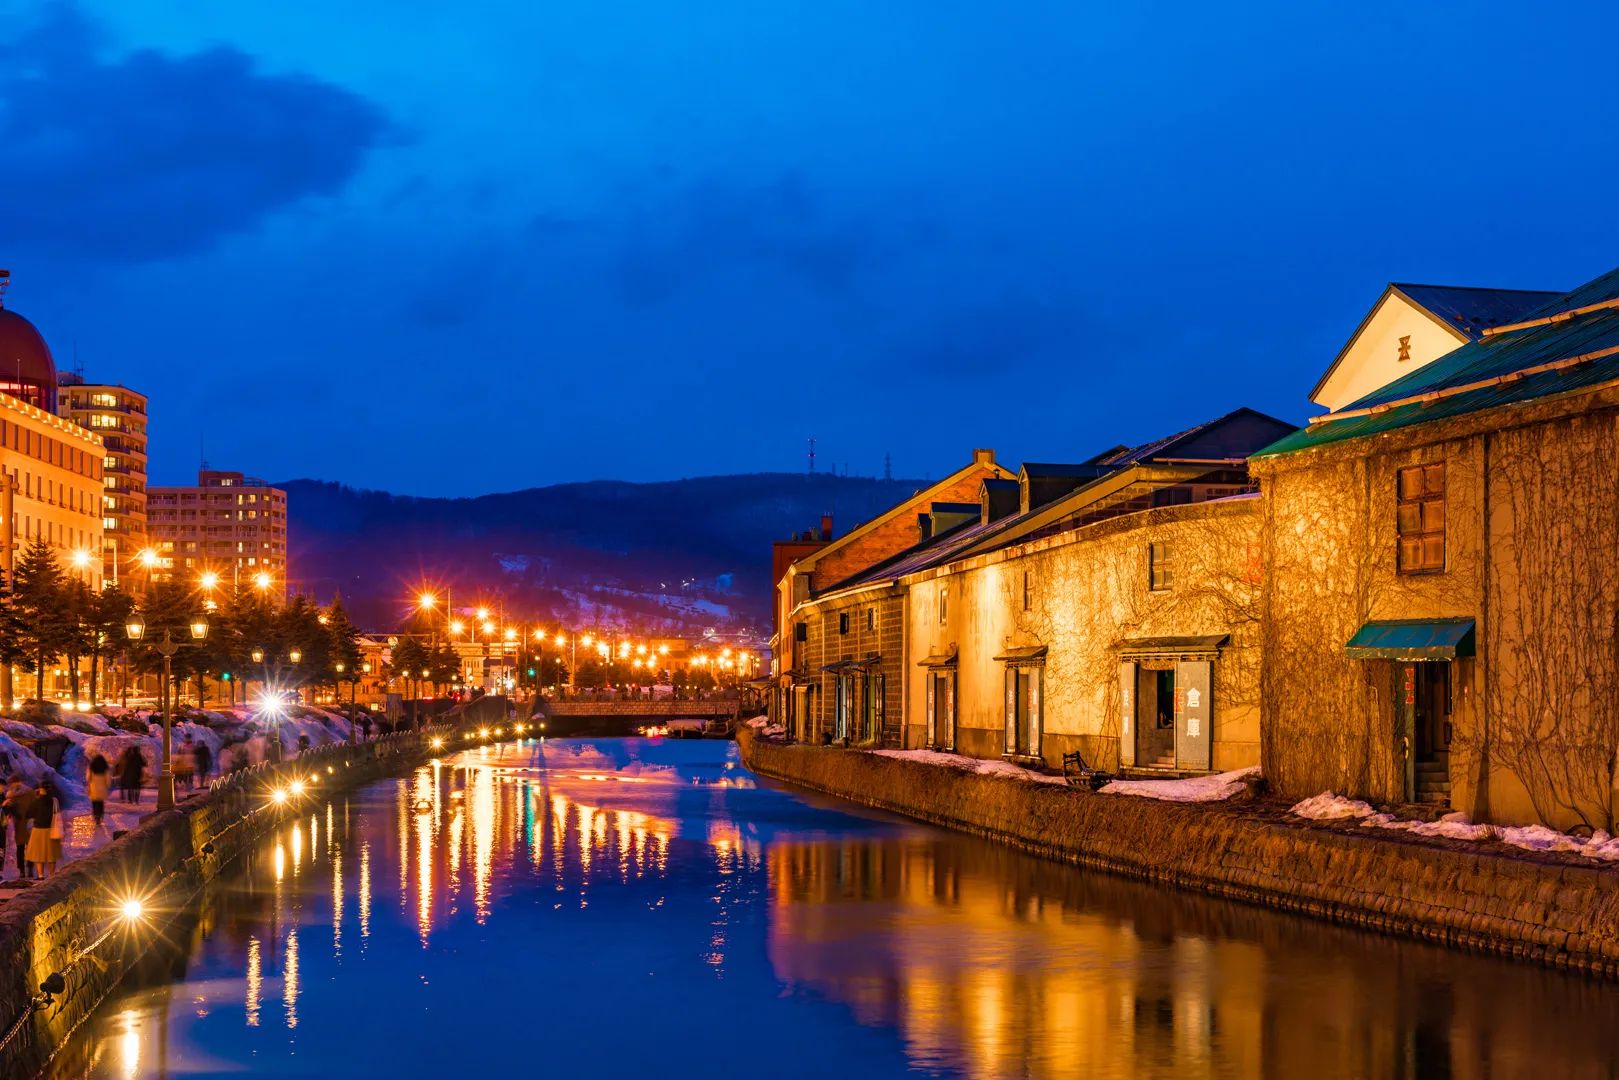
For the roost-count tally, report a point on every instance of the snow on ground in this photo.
(1456, 826)
(982, 766)
(1190, 789)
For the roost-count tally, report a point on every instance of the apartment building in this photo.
(228, 524)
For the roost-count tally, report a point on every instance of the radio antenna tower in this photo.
(888, 466)
(812, 454)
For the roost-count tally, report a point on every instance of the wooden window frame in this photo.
(1160, 566)
(1419, 518)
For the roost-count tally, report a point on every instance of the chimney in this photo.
(984, 456)
(924, 525)
(826, 526)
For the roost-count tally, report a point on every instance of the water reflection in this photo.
(631, 899)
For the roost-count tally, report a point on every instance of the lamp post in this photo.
(136, 629)
(260, 658)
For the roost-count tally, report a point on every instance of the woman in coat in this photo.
(45, 841)
(98, 785)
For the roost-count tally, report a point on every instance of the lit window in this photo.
(109, 523)
(944, 604)
(105, 401)
(103, 420)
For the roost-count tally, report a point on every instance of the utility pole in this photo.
(812, 455)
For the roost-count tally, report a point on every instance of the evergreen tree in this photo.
(591, 673)
(41, 602)
(344, 640)
(300, 628)
(107, 618)
(409, 657)
(443, 665)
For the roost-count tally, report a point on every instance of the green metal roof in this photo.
(1492, 361)
(1412, 639)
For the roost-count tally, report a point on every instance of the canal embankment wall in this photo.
(1551, 909)
(71, 924)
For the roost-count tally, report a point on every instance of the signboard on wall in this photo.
(1127, 712)
(1194, 714)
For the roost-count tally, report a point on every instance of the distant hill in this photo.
(687, 554)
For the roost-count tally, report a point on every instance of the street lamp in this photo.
(272, 700)
(136, 630)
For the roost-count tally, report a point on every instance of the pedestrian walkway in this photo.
(80, 836)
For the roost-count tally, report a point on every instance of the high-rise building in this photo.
(118, 415)
(229, 524)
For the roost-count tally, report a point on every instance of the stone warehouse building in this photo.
(1441, 597)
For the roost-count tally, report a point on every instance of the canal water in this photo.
(642, 908)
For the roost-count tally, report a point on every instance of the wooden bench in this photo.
(1080, 774)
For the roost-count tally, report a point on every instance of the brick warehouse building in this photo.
(805, 695)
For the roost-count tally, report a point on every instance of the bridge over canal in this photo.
(581, 716)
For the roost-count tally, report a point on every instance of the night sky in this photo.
(458, 248)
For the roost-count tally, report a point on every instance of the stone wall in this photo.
(165, 860)
(1553, 910)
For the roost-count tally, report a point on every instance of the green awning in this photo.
(1412, 639)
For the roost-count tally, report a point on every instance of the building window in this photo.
(871, 618)
(1160, 563)
(843, 622)
(1025, 590)
(944, 604)
(1421, 519)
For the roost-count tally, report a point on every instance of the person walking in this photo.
(184, 764)
(15, 808)
(130, 773)
(98, 785)
(45, 838)
(205, 762)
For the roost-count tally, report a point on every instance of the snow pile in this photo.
(981, 766)
(1326, 806)
(22, 761)
(1456, 826)
(1214, 788)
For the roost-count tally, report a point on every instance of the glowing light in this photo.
(426, 601)
(488, 627)
(81, 559)
(640, 650)
(663, 650)
(210, 580)
(297, 787)
(585, 640)
(511, 635)
(261, 581)
(132, 909)
(483, 733)
(437, 743)
(148, 558)
(483, 614)
(278, 796)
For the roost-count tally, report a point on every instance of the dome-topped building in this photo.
(27, 371)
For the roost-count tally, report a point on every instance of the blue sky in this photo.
(453, 249)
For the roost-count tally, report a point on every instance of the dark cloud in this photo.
(713, 227)
(999, 336)
(150, 155)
